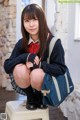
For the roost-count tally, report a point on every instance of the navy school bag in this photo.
(56, 89)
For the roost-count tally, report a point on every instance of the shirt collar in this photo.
(31, 40)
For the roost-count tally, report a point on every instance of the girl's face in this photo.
(32, 27)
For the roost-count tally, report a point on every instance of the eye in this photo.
(25, 20)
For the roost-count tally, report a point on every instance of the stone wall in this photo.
(71, 106)
(7, 34)
(61, 23)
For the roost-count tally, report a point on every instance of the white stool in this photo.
(16, 110)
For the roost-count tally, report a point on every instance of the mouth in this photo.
(32, 29)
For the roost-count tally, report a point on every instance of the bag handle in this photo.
(51, 46)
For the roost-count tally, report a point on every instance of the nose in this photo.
(31, 23)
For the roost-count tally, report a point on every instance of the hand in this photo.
(36, 60)
(29, 64)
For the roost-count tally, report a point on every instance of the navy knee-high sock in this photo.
(39, 97)
(30, 94)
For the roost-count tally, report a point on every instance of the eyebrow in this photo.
(29, 17)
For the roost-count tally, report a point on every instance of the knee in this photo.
(20, 71)
(36, 77)
(36, 74)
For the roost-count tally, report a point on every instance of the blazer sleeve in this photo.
(16, 57)
(57, 61)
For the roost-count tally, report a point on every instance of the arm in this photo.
(57, 63)
(16, 57)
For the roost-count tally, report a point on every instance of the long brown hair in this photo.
(30, 12)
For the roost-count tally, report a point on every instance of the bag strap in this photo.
(51, 46)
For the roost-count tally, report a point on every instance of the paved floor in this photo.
(54, 113)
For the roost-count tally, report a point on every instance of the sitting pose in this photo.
(27, 64)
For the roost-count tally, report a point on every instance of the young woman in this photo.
(27, 64)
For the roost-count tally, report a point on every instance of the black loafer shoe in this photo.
(31, 106)
(41, 106)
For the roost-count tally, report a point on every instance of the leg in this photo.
(21, 75)
(22, 78)
(37, 76)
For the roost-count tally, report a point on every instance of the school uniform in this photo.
(56, 67)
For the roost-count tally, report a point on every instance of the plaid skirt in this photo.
(15, 86)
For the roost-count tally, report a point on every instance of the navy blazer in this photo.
(57, 62)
